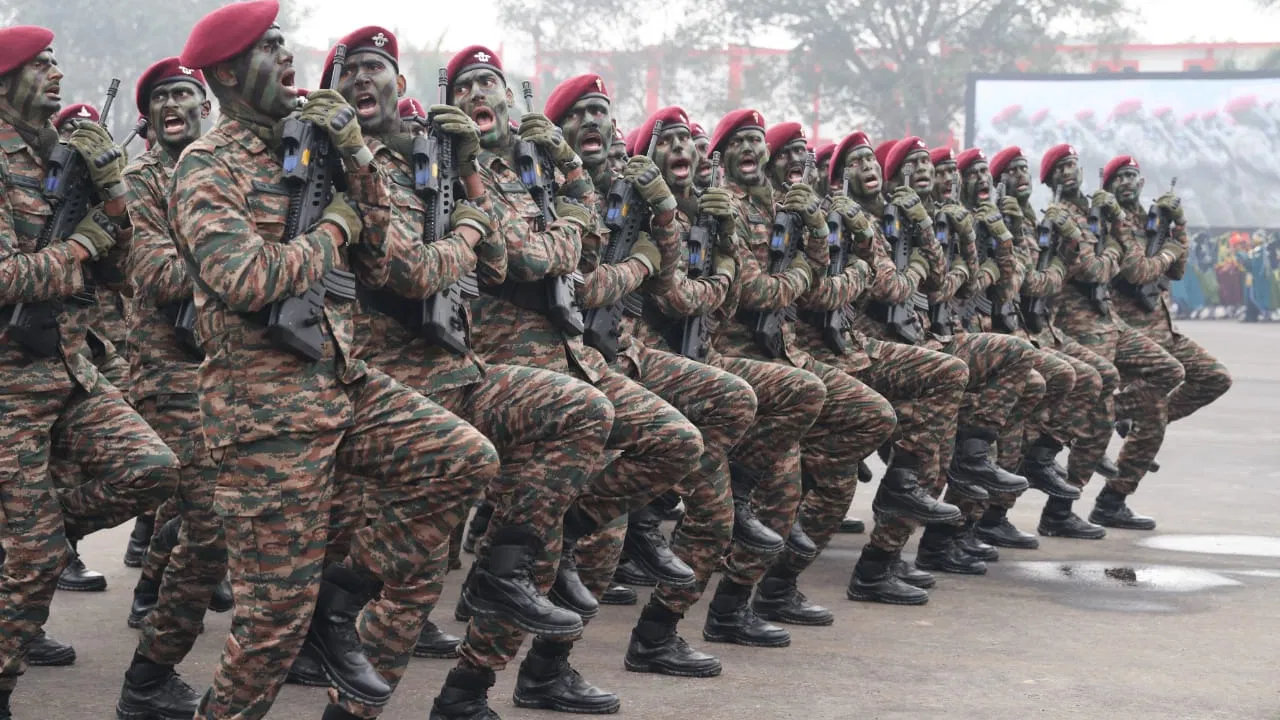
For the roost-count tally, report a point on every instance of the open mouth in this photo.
(366, 105)
(748, 164)
(870, 181)
(795, 173)
(1023, 187)
(592, 142)
(286, 77)
(484, 118)
(680, 168)
(983, 192)
(54, 92)
(173, 124)
(921, 183)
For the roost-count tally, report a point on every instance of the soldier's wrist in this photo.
(82, 247)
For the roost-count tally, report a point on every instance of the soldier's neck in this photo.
(40, 136)
(600, 177)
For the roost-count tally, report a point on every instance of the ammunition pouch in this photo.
(1098, 294)
(34, 327)
(181, 316)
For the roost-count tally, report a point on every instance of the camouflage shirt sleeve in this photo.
(683, 296)
(368, 189)
(53, 272)
(530, 255)
(216, 230)
(1179, 266)
(888, 283)
(604, 284)
(761, 290)
(957, 276)
(1082, 257)
(1135, 266)
(154, 266)
(833, 293)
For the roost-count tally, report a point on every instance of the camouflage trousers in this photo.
(1135, 357)
(1206, 379)
(655, 448)
(549, 430)
(198, 562)
(423, 467)
(123, 469)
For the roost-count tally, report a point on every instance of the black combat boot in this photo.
(1107, 468)
(343, 592)
(436, 643)
(462, 611)
(337, 712)
(223, 598)
(155, 692)
(730, 619)
(139, 540)
(306, 670)
(1111, 511)
(973, 463)
(478, 526)
(1038, 468)
(656, 647)
(900, 493)
(667, 506)
(747, 528)
(44, 651)
(939, 552)
(648, 547)
(974, 547)
(465, 696)
(799, 543)
(779, 600)
(548, 682)
(628, 573)
(995, 528)
(617, 594)
(852, 526)
(145, 596)
(5, 712)
(1057, 520)
(910, 574)
(568, 591)
(501, 585)
(874, 581)
(76, 577)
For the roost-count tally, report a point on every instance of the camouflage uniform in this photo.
(58, 404)
(1132, 353)
(163, 389)
(658, 446)
(549, 428)
(425, 466)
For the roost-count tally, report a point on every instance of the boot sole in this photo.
(124, 714)
(620, 601)
(1122, 526)
(436, 654)
(561, 707)
(734, 640)
(883, 600)
(343, 687)
(306, 680)
(96, 586)
(559, 601)
(1006, 488)
(950, 571)
(789, 620)
(658, 669)
(770, 550)
(881, 511)
(1071, 536)
(1056, 493)
(61, 659)
(1013, 546)
(635, 581)
(479, 609)
(927, 585)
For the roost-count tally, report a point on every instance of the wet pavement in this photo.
(1182, 623)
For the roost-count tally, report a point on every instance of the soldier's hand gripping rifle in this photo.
(70, 191)
(900, 318)
(941, 313)
(693, 341)
(538, 177)
(1158, 230)
(1035, 310)
(626, 215)
(1003, 311)
(311, 170)
(835, 322)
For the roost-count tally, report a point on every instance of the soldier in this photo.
(1206, 378)
(1094, 243)
(54, 399)
(422, 465)
(1071, 387)
(855, 419)
(66, 120)
(702, 144)
(530, 319)
(413, 117)
(546, 458)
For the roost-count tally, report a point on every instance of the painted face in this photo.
(821, 186)
(744, 157)
(413, 125)
(675, 156)
(65, 130)
(787, 166)
(483, 95)
(702, 176)
(978, 186)
(175, 111)
(1127, 185)
(372, 85)
(34, 90)
(864, 172)
(946, 181)
(1066, 175)
(921, 172)
(617, 157)
(1017, 178)
(588, 128)
(265, 73)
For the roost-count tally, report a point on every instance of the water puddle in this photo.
(1120, 587)
(1251, 545)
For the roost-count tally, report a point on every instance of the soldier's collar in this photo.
(237, 131)
(10, 140)
(492, 161)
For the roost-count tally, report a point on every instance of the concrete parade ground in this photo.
(1180, 623)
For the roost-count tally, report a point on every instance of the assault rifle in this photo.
(1098, 293)
(1158, 230)
(941, 313)
(836, 322)
(900, 318)
(1035, 310)
(1003, 312)
(538, 178)
(627, 216)
(691, 336)
(69, 190)
(311, 170)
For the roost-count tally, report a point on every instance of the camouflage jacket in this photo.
(505, 332)
(228, 211)
(889, 285)
(418, 269)
(1138, 269)
(27, 276)
(838, 292)
(950, 278)
(157, 361)
(1088, 260)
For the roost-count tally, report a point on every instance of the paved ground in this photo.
(1050, 633)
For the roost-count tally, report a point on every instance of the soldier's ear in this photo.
(206, 107)
(225, 74)
(511, 98)
(400, 86)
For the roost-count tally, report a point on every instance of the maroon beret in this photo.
(227, 32)
(780, 135)
(630, 139)
(474, 56)
(823, 152)
(571, 91)
(882, 154)
(696, 130)
(942, 156)
(20, 43)
(737, 120)
(1002, 159)
(899, 153)
(411, 108)
(370, 38)
(79, 111)
(848, 142)
(1051, 158)
(1117, 163)
(671, 117)
(166, 71)
(967, 158)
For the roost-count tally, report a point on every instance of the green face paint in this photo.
(483, 95)
(745, 157)
(369, 82)
(175, 111)
(265, 76)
